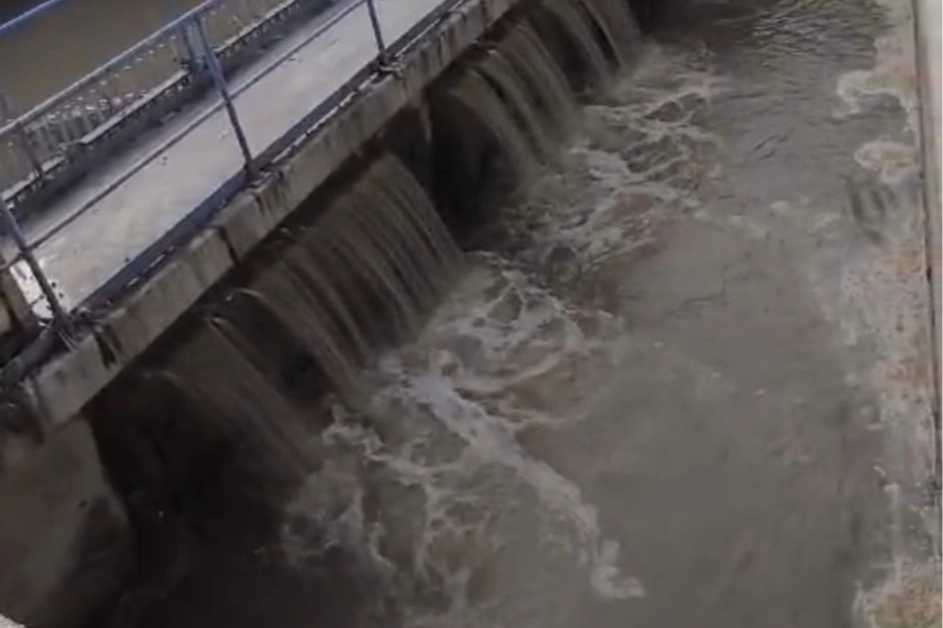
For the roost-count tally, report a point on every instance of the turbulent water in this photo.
(677, 386)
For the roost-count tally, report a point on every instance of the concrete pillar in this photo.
(15, 312)
(64, 542)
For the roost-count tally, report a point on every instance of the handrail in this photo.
(155, 152)
(207, 58)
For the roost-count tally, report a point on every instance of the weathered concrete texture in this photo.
(63, 534)
(60, 388)
(929, 53)
(15, 312)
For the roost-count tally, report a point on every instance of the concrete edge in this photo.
(928, 28)
(61, 387)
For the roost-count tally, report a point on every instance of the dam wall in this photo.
(220, 360)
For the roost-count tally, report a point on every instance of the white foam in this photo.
(444, 420)
(894, 70)
(446, 439)
(893, 163)
(492, 438)
(894, 74)
(636, 168)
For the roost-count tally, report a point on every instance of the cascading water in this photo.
(588, 422)
(496, 68)
(358, 282)
(544, 79)
(520, 94)
(418, 475)
(571, 19)
(436, 448)
(242, 402)
(618, 26)
(363, 276)
(474, 92)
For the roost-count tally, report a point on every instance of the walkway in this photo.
(136, 213)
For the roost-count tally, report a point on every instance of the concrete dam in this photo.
(560, 313)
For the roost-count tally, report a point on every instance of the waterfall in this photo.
(576, 25)
(498, 71)
(398, 464)
(544, 78)
(614, 19)
(531, 83)
(363, 275)
(354, 282)
(521, 96)
(241, 402)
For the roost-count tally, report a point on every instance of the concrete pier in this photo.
(64, 539)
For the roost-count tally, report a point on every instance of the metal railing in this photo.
(55, 141)
(34, 144)
(201, 46)
(60, 136)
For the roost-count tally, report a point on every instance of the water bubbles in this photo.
(475, 518)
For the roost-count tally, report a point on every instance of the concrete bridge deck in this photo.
(928, 18)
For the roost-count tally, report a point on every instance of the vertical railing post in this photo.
(59, 315)
(377, 32)
(192, 59)
(216, 71)
(6, 113)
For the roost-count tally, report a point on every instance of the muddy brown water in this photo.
(681, 384)
(60, 46)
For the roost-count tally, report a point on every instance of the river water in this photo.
(681, 383)
(655, 401)
(50, 52)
